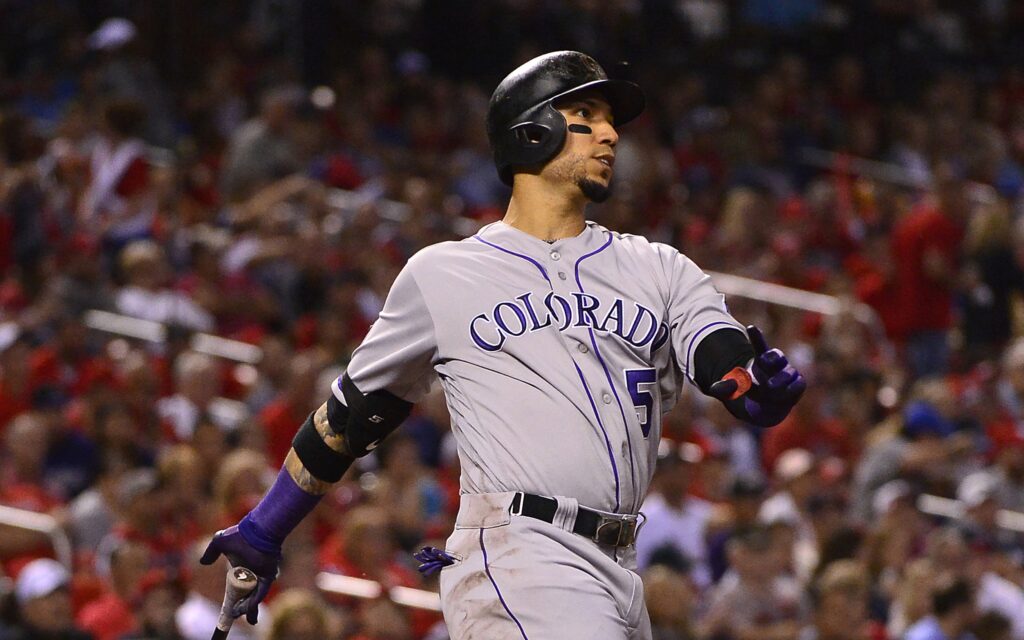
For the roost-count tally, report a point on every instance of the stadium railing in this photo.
(42, 523)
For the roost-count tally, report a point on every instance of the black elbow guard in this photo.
(369, 418)
(718, 354)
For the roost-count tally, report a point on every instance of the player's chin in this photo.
(596, 188)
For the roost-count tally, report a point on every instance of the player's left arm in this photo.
(757, 384)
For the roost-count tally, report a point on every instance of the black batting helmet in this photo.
(523, 125)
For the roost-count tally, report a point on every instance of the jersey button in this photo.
(582, 348)
(561, 275)
(555, 255)
(607, 399)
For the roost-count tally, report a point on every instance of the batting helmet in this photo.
(524, 126)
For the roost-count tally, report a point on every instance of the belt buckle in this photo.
(619, 531)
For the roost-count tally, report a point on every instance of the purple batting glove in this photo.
(776, 387)
(232, 544)
(779, 385)
(432, 560)
(255, 542)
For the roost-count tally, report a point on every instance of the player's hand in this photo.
(770, 389)
(231, 544)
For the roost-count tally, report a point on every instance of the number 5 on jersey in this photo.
(640, 383)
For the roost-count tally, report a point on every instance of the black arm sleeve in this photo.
(718, 354)
(370, 417)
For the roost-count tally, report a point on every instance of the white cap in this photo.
(792, 464)
(977, 488)
(887, 494)
(113, 33)
(40, 578)
(9, 332)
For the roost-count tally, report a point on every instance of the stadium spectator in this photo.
(160, 595)
(924, 446)
(262, 150)
(147, 295)
(926, 242)
(299, 615)
(119, 200)
(952, 616)
(737, 515)
(112, 615)
(44, 604)
(671, 600)
(840, 604)
(197, 384)
(756, 599)
(677, 522)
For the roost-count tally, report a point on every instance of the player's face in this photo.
(587, 159)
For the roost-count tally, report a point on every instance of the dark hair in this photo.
(844, 544)
(125, 116)
(19, 142)
(948, 597)
(754, 538)
(991, 625)
(668, 555)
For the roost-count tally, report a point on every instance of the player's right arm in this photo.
(388, 373)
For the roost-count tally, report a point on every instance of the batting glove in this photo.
(232, 544)
(773, 386)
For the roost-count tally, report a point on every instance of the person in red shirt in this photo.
(111, 616)
(806, 428)
(15, 375)
(22, 487)
(298, 399)
(925, 249)
(120, 198)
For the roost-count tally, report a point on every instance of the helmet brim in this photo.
(624, 97)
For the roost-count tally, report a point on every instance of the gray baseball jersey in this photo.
(557, 359)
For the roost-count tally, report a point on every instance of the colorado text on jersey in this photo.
(522, 315)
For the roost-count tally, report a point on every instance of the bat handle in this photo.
(240, 583)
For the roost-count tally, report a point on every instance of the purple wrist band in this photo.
(280, 511)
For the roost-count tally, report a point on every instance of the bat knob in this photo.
(242, 577)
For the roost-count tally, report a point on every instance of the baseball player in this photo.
(558, 344)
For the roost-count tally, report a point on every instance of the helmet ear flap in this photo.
(533, 140)
(531, 134)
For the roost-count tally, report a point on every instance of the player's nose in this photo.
(606, 134)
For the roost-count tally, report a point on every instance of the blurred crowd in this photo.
(261, 170)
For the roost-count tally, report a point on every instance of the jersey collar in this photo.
(506, 236)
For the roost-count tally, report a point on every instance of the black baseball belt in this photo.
(617, 530)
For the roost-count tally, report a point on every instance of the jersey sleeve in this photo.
(398, 353)
(695, 308)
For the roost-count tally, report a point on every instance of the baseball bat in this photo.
(240, 582)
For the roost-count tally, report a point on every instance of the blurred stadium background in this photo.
(202, 205)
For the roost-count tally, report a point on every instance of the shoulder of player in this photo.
(443, 254)
(640, 245)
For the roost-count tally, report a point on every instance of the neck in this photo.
(545, 212)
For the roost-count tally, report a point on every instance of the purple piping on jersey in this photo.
(518, 255)
(694, 339)
(608, 375)
(607, 442)
(593, 405)
(487, 569)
